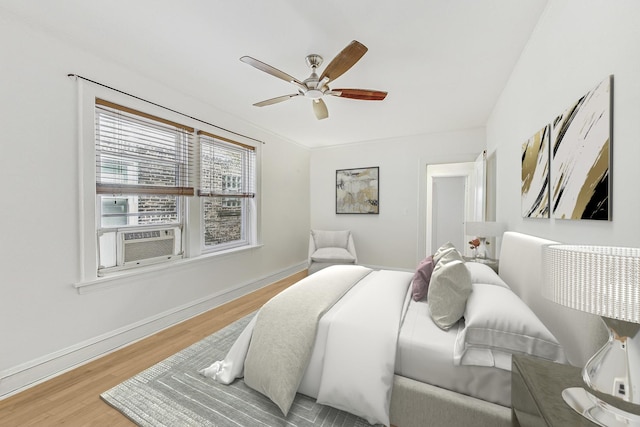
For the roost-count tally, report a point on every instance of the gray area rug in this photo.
(173, 393)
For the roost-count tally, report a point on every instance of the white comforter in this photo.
(352, 364)
(360, 351)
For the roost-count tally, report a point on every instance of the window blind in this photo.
(138, 153)
(227, 168)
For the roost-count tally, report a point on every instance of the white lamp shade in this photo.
(596, 279)
(484, 228)
(604, 281)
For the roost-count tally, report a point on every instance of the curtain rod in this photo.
(162, 106)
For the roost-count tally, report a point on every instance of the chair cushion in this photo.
(330, 239)
(335, 255)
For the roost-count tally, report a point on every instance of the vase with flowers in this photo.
(479, 247)
(473, 245)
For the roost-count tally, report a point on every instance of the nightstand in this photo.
(493, 263)
(536, 393)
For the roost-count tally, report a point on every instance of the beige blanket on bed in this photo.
(285, 331)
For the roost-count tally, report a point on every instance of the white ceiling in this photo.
(443, 62)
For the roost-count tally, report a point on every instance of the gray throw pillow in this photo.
(447, 247)
(449, 289)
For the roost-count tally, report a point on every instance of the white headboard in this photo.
(580, 333)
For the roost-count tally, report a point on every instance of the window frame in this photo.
(88, 216)
(148, 160)
(245, 193)
(243, 188)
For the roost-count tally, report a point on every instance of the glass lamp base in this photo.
(598, 411)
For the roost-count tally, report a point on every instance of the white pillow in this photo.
(330, 239)
(333, 255)
(482, 273)
(498, 324)
(449, 287)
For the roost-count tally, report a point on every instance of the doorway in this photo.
(448, 208)
(455, 195)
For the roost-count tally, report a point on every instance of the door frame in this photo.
(474, 189)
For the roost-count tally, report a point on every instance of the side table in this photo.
(536, 393)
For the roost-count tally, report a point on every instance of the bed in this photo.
(357, 339)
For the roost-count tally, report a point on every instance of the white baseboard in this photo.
(29, 374)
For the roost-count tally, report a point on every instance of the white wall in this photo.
(44, 323)
(395, 238)
(575, 45)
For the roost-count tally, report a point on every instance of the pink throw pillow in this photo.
(421, 278)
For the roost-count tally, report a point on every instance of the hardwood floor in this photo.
(73, 398)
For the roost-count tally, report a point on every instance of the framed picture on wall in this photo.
(581, 157)
(535, 175)
(357, 191)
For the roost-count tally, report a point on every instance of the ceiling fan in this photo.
(316, 87)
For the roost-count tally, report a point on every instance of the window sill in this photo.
(121, 277)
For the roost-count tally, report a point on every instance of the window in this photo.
(140, 169)
(227, 190)
(143, 173)
(114, 211)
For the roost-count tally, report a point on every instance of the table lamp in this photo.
(481, 230)
(604, 281)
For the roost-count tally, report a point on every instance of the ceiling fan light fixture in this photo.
(314, 87)
(314, 94)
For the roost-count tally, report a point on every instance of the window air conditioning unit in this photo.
(146, 246)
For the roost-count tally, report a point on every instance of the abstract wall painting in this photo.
(535, 175)
(581, 156)
(357, 191)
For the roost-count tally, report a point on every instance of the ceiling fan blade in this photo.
(363, 94)
(344, 60)
(320, 109)
(275, 100)
(271, 70)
